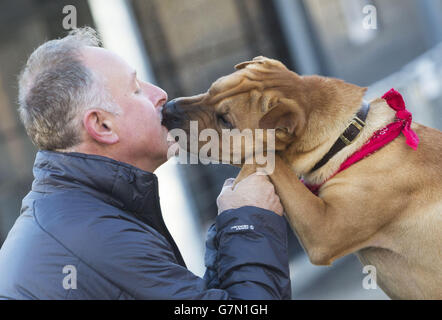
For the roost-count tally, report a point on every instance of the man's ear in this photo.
(287, 118)
(99, 126)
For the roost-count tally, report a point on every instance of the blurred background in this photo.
(184, 45)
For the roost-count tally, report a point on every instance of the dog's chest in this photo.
(392, 272)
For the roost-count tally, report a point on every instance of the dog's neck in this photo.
(327, 120)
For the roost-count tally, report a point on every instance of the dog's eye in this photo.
(223, 121)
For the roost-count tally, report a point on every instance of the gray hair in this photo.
(55, 88)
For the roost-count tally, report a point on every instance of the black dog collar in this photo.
(348, 136)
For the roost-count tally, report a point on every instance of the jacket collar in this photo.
(119, 184)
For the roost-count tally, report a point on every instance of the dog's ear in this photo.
(256, 60)
(287, 118)
(262, 63)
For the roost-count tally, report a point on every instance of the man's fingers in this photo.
(227, 186)
(229, 182)
(279, 209)
(253, 179)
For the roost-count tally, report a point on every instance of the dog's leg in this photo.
(331, 226)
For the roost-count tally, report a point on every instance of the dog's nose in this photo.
(170, 106)
(172, 115)
(170, 109)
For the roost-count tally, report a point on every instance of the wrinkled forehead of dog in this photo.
(258, 74)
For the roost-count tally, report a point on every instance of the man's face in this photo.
(141, 135)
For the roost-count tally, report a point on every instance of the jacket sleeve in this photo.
(247, 256)
(251, 262)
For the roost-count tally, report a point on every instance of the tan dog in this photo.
(386, 208)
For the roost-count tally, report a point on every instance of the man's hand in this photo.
(255, 190)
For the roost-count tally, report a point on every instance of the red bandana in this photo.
(383, 136)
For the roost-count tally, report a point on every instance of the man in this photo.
(91, 227)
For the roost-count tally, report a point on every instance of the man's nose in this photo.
(157, 95)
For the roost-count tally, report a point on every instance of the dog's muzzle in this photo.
(173, 115)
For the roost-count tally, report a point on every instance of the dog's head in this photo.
(261, 94)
